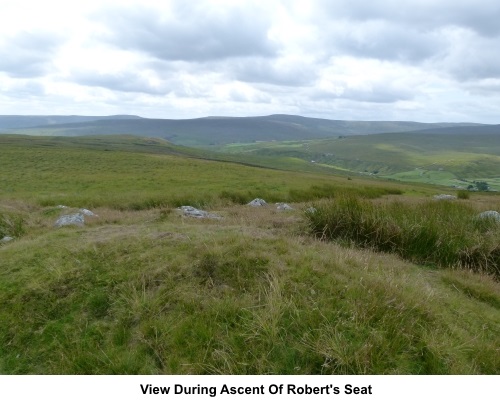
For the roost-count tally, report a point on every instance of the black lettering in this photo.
(349, 389)
(145, 388)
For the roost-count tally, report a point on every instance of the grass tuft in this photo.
(11, 224)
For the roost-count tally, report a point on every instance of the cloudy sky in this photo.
(422, 60)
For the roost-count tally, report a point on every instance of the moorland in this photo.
(367, 274)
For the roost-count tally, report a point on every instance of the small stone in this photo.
(61, 207)
(258, 202)
(283, 207)
(87, 213)
(445, 197)
(6, 239)
(189, 211)
(311, 210)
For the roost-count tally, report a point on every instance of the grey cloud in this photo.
(388, 41)
(272, 71)
(481, 17)
(28, 54)
(24, 89)
(470, 57)
(242, 97)
(449, 37)
(484, 87)
(130, 82)
(192, 32)
(377, 93)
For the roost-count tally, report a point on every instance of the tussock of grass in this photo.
(440, 233)
(317, 192)
(11, 224)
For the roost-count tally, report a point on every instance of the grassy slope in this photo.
(128, 172)
(421, 157)
(147, 291)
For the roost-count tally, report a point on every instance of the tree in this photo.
(482, 185)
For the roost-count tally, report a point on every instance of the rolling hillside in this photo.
(127, 171)
(212, 131)
(439, 156)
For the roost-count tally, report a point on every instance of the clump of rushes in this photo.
(463, 194)
(439, 233)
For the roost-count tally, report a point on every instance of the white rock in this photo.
(490, 215)
(283, 207)
(189, 211)
(74, 219)
(61, 207)
(6, 239)
(445, 197)
(87, 213)
(258, 202)
(311, 210)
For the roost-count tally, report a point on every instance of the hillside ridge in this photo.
(212, 131)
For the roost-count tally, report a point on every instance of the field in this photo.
(141, 289)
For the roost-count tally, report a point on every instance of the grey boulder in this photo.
(258, 202)
(73, 219)
(445, 197)
(283, 207)
(494, 215)
(189, 211)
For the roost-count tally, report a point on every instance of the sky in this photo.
(415, 60)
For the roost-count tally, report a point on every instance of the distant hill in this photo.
(462, 131)
(212, 131)
(28, 121)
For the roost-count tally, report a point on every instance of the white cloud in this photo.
(416, 60)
